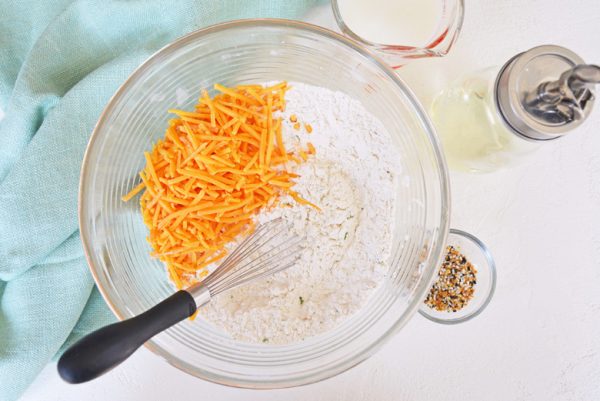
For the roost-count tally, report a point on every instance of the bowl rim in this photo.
(441, 167)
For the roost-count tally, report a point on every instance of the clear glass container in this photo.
(257, 51)
(481, 257)
(474, 136)
(495, 117)
(401, 30)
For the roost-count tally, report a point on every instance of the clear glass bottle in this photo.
(496, 117)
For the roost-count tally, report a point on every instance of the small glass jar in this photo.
(481, 257)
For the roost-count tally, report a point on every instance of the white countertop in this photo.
(539, 338)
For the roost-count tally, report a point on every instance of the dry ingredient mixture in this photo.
(455, 285)
(352, 178)
(314, 157)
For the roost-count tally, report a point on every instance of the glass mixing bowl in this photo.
(256, 51)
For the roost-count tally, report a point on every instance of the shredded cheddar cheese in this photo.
(216, 167)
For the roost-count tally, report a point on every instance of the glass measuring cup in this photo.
(401, 30)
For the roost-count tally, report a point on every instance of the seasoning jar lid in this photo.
(479, 255)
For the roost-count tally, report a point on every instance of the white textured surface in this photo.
(539, 339)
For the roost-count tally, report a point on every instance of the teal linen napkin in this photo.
(60, 61)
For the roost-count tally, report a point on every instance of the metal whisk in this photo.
(270, 249)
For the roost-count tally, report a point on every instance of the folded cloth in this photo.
(60, 61)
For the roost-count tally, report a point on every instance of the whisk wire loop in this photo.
(273, 247)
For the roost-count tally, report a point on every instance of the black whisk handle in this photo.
(105, 348)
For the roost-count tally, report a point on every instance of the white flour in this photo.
(353, 179)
